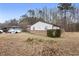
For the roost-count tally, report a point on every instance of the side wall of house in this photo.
(41, 26)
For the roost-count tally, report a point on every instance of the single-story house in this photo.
(43, 26)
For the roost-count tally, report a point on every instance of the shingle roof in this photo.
(48, 23)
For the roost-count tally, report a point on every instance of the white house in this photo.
(42, 26)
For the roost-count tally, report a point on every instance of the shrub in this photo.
(54, 33)
(24, 30)
(29, 40)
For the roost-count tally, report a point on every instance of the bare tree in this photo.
(31, 13)
(65, 7)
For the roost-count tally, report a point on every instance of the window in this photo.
(33, 28)
(45, 27)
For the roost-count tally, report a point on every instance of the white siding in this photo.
(41, 26)
(55, 27)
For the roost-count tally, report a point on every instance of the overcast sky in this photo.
(11, 10)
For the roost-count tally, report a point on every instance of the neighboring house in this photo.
(14, 29)
(43, 26)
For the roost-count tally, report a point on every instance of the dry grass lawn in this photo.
(26, 44)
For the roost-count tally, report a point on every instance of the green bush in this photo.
(54, 33)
